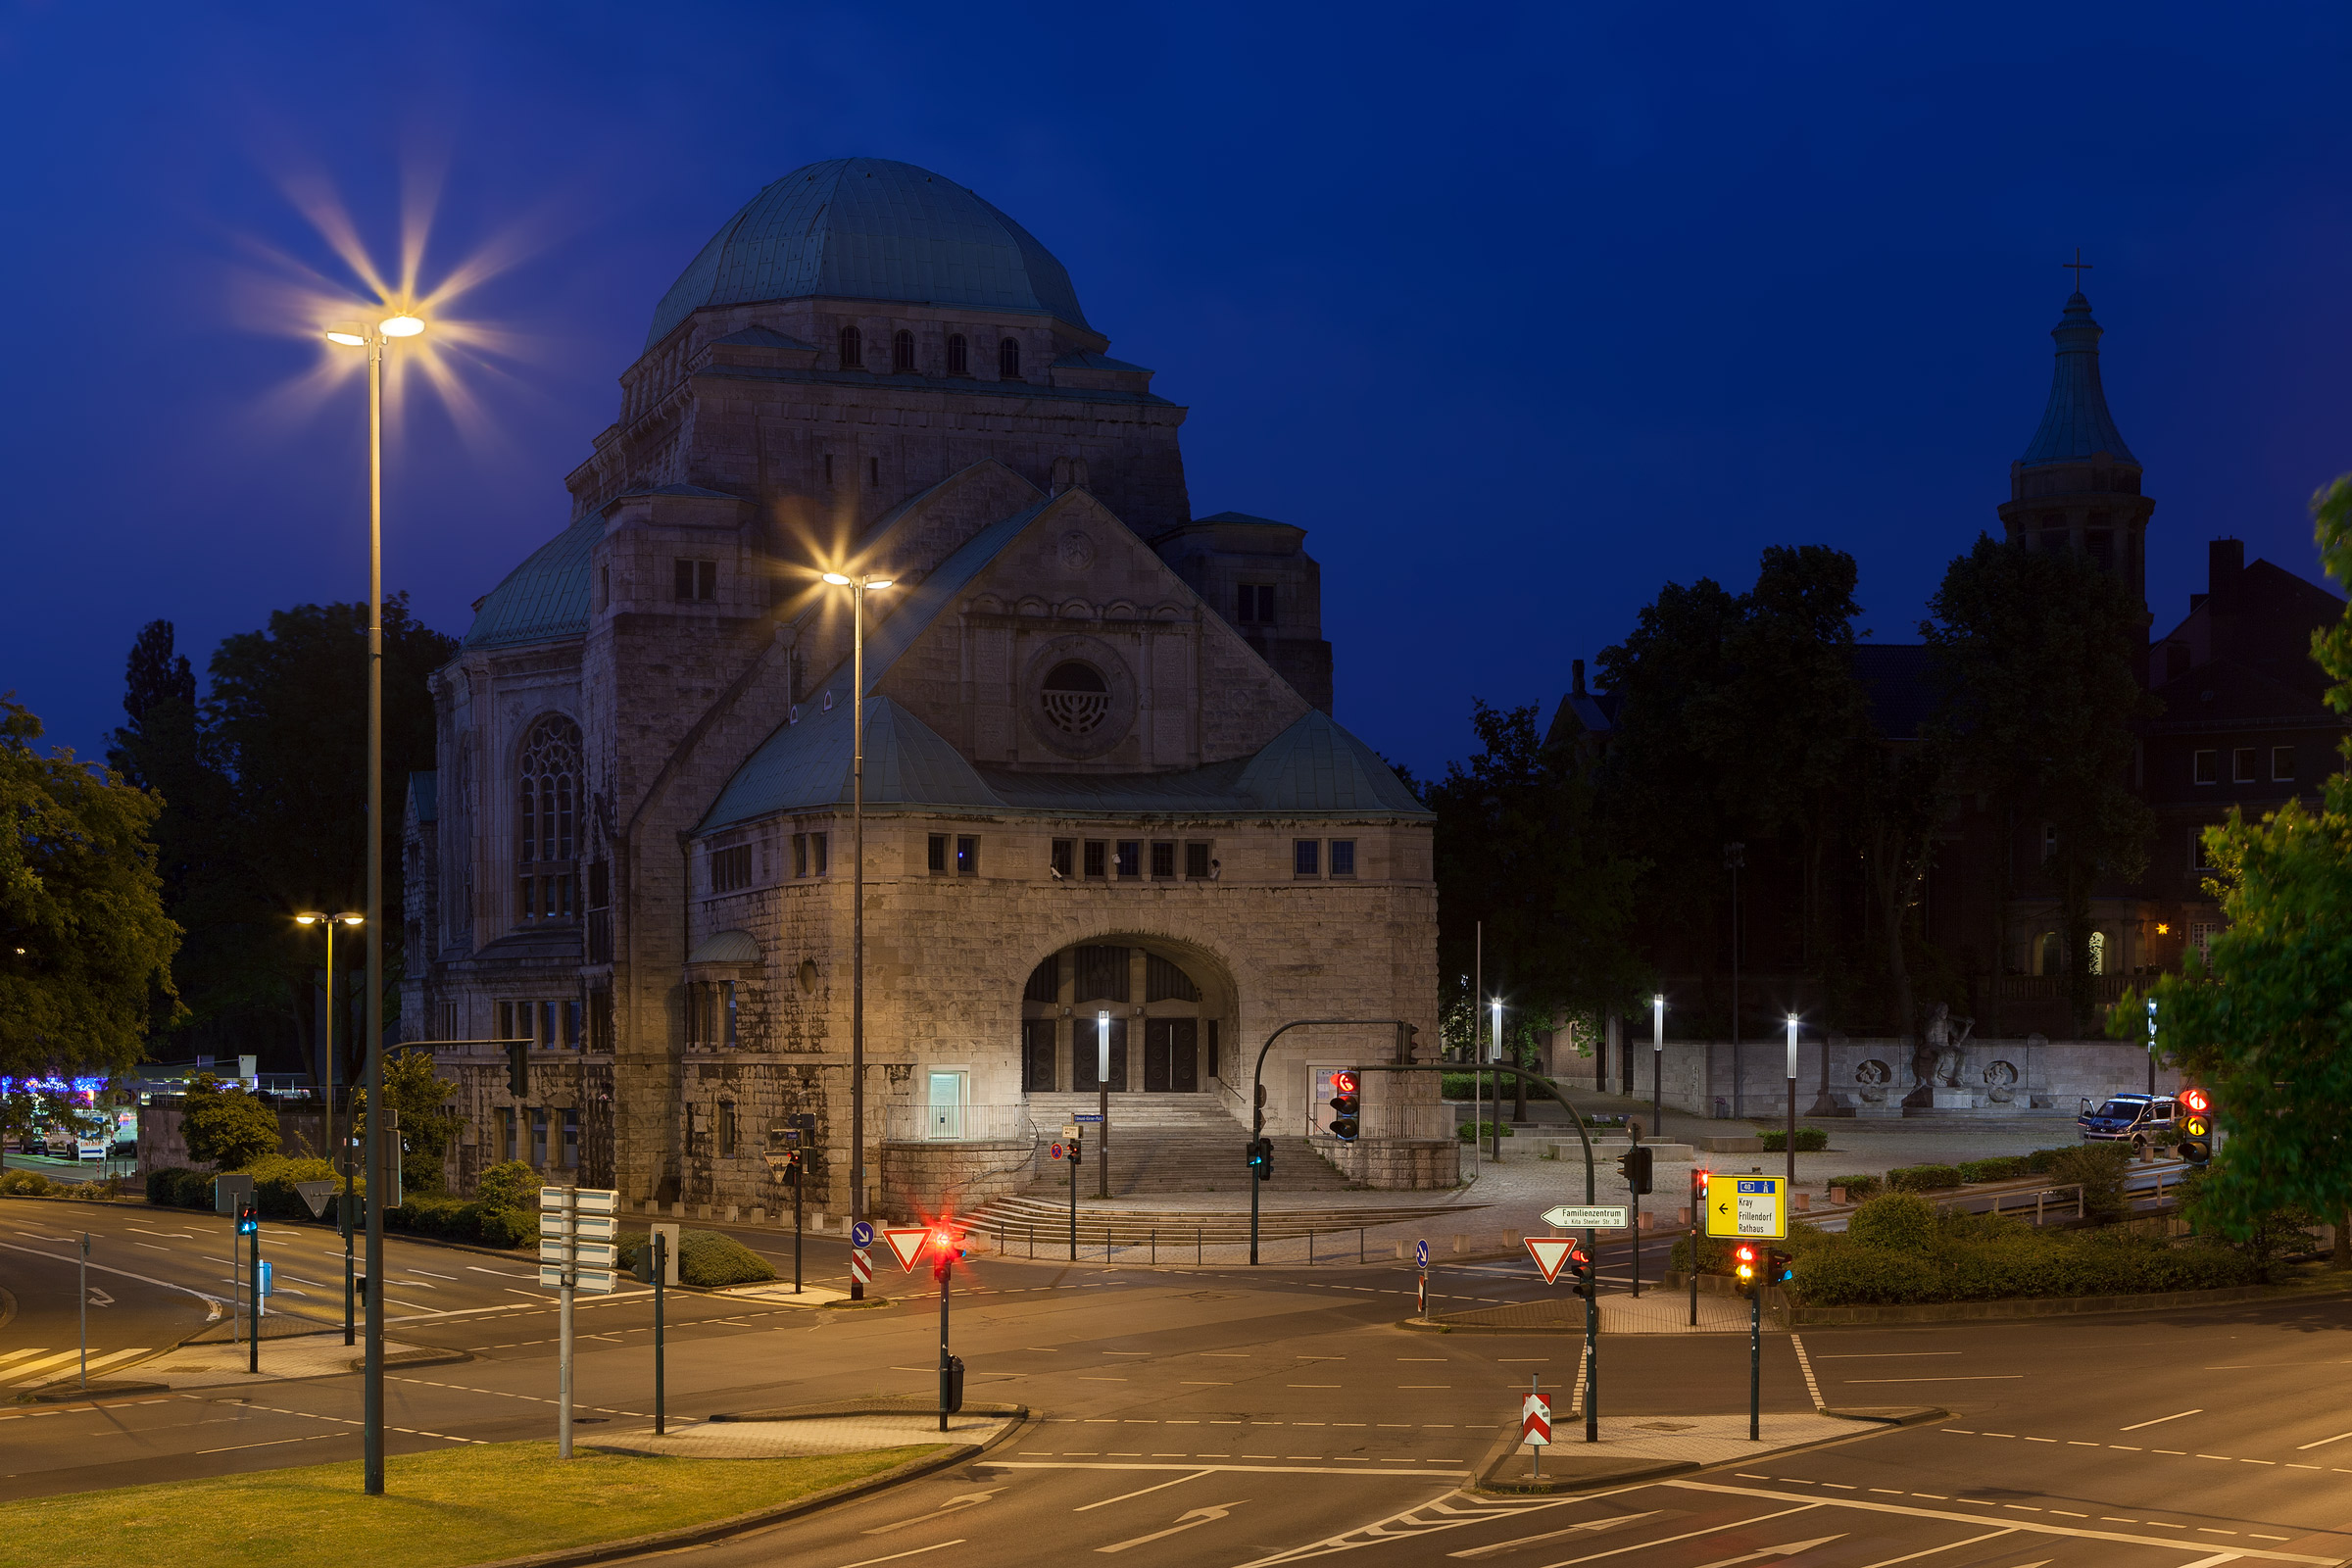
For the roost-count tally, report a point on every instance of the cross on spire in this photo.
(2079, 267)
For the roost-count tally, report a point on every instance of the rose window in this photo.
(1076, 699)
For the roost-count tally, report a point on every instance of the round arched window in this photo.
(1076, 697)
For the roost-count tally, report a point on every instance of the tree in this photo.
(2264, 1021)
(427, 1126)
(225, 1128)
(1520, 850)
(85, 947)
(2034, 651)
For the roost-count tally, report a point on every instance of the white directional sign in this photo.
(587, 1227)
(593, 1280)
(1751, 1206)
(587, 1200)
(1587, 1217)
(593, 1254)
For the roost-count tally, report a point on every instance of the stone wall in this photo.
(922, 1180)
(1869, 1077)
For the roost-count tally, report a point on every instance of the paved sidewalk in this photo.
(203, 1366)
(1684, 1439)
(788, 1439)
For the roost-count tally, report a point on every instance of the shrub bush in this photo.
(1776, 1139)
(1855, 1274)
(1923, 1178)
(179, 1187)
(1859, 1188)
(705, 1259)
(509, 1184)
(2100, 1168)
(1903, 1222)
(2006, 1167)
(1468, 1130)
(274, 1178)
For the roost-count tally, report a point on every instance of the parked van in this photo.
(2141, 1120)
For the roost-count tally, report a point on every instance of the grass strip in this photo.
(475, 1504)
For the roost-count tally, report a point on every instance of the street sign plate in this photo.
(590, 1255)
(1421, 1255)
(1057, 1150)
(908, 1243)
(1089, 1115)
(1587, 1216)
(1534, 1421)
(861, 1235)
(861, 1267)
(265, 1287)
(587, 1227)
(1069, 1129)
(1750, 1207)
(1550, 1254)
(315, 1193)
(596, 1281)
(586, 1199)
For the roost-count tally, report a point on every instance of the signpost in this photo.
(1421, 1262)
(862, 1263)
(1535, 1422)
(796, 1133)
(1752, 1207)
(1553, 1254)
(1586, 1216)
(908, 1244)
(578, 1228)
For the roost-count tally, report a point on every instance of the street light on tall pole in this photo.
(354, 336)
(858, 588)
(1657, 1066)
(327, 1093)
(1734, 859)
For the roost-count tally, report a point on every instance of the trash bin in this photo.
(1723, 1108)
(950, 1385)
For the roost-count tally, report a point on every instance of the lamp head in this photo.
(350, 335)
(881, 582)
(837, 579)
(352, 919)
(309, 919)
(402, 325)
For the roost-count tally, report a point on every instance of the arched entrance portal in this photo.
(1159, 1012)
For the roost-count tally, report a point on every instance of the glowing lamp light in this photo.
(400, 326)
(837, 579)
(2163, 930)
(347, 333)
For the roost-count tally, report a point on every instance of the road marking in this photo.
(2162, 1419)
(1249, 1469)
(1882, 1355)
(868, 1562)
(1914, 1557)
(1811, 1387)
(2324, 1442)
(1981, 1376)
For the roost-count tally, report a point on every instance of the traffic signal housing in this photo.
(1634, 1166)
(1345, 1102)
(1779, 1268)
(1580, 1270)
(1699, 1197)
(249, 1220)
(518, 1068)
(1746, 1262)
(2196, 1127)
(1261, 1158)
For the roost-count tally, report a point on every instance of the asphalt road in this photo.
(1224, 1416)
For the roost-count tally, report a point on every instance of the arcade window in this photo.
(816, 854)
(959, 361)
(938, 858)
(1131, 858)
(1343, 856)
(1306, 857)
(694, 582)
(1163, 857)
(2241, 764)
(901, 351)
(505, 1132)
(731, 868)
(873, 470)
(1062, 862)
(2283, 764)
(853, 350)
(967, 856)
(800, 854)
(539, 1137)
(1009, 359)
(1196, 860)
(2208, 767)
(1256, 604)
(1095, 857)
(828, 470)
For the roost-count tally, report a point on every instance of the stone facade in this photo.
(1093, 726)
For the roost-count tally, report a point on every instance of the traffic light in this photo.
(1261, 1157)
(2196, 1127)
(518, 1068)
(1745, 1262)
(1779, 1268)
(1346, 1102)
(1699, 1197)
(1406, 1036)
(652, 1258)
(791, 1168)
(1580, 1270)
(1633, 1166)
(249, 1220)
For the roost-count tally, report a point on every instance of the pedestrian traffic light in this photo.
(1698, 1196)
(518, 1068)
(1580, 1270)
(249, 1220)
(1346, 1102)
(1633, 1166)
(2196, 1127)
(1779, 1268)
(1744, 1262)
(1261, 1157)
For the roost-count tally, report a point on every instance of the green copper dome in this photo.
(866, 229)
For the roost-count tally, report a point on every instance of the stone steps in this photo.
(1174, 1144)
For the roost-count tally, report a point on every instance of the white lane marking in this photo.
(1803, 1505)
(1914, 1557)
(1982, 1377)
(2324, 1442)
(1806, 1365)
(1882, 1355)
(2162, 1419)
(1758, 1556)
(868, 1562)
(1192, 1519)
(1589, 1527)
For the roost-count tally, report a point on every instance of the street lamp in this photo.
(858, 588)
(1657, 1066)
(326, 1092)
(1495, 1055)
(352, 335)
(1793, 1107)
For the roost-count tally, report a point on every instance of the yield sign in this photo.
(1551, 1254)
(908, 1242)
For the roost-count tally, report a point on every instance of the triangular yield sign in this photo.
(908, 1243)
(1550, 1254)
(315, 1193)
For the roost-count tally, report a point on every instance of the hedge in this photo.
(1468, 1130)
(1857, 1187)
(705, 1259)
(1776, 1140)
(2018, 1262)
(32, 1184)
(436, 1214)
(1923, 1178)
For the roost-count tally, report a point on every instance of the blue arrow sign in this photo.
(1421, 1255)
(264, 1277)
(861, 1235)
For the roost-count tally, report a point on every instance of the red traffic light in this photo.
(1746, 1254)
(1343, 1082)
(2196, 1100)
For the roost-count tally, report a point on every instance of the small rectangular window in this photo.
(539, 1137)
(2283, 764)
(1306, 857)
(1064, 867)
(2198, 859)
(1343, 856)
(731, 868)
(547, 1026)
(967, 856)
(816, 854)
(505, 1132)
(1131, 858)
(682, 580)
(938, 858)
(505, 1020)
(828, 470)
(705, 580)
(526, 897)
(800, 854)
(1163, 857)
(1094, 856)
(571, 1139)
(571, 1025)
(726, 1127)
(1196, 860)
(873, 470)
(1257, 602)
(2241, 764)
(2208, 767)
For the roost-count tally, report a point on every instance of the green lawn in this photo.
(461, 1506)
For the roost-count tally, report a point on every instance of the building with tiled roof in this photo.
(1102, 792)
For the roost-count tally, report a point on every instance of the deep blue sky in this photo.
(1521, 313)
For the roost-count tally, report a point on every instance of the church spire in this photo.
(2075, 426)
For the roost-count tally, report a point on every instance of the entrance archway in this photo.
(1161, 1013)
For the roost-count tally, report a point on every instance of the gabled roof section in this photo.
(1315, 766)
(806, 766)
(760, 337)
(2075, 425)
(544, 599)
(924, 603)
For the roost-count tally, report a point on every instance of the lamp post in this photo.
(1793, 1107)
(1735, 857)
(326, 1091)
(1495, 1054)
(1102, 1102)
(1657, 1066)
(398, 325)
(858, 588)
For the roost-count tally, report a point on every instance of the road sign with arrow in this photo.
(1754, 1206)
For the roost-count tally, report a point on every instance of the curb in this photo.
(719, 1529)
(78, 1395)
(1635, 1470)
(1809, 1317)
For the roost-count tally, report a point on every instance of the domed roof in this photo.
(868, 228)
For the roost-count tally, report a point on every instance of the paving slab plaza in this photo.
(812, 1435)
(1692, 1439)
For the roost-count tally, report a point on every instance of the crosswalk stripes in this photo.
(41, 1365)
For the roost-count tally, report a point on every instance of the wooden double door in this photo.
(1171, 1056)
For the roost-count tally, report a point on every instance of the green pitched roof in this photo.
(546, 597)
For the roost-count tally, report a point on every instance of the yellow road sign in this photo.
(1752, 1206)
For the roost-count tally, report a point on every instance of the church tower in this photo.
(2078, 486)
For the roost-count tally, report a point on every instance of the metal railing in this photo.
(958, 1123)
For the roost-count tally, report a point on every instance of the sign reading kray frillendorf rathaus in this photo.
(1102, 785)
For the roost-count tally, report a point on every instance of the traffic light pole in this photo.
(947, 1272)
(1593, 1344)
(659, 1243)
(253, 1296)
(1756, 1353)
(1077, 1145)
(796, 1234)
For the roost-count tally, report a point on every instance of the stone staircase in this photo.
(1174, 1144)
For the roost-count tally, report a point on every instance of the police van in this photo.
(2141, 1120)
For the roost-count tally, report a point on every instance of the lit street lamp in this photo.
(352, 335)
(1657, 1066)
(327, 1093)
(858, 588)
(1793, 1107)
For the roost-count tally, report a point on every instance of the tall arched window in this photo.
(853, 349)
(547, 822)
(959, 361)
(1008, 359)
(901, 351)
